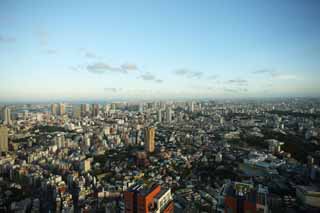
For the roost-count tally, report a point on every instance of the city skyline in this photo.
(156, 50)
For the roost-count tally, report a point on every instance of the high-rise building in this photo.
(84, 109)
(191, 107)
(95, 110)
(144, 199)
(62, 109)
(149, 139)
(141, 107)
(76, 111)
(169, 115)
(243, 197)
(54, 109)
(3, 139)
(160, 116)
(6, 116)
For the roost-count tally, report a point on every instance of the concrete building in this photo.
(84, 109)
(169, 115)
(243, 197)
(54, 109)
(62, 109)
(6, 116)
(160, 116)
(140, 199)
(149, 139)
(3, 139)
(86, 165)
(95, 110)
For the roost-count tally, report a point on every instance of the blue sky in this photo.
(71, 50)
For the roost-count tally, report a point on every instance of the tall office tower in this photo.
(144, 199)
(159, 116)
(84, 109)
(76, 111)
(95, 110)
(113, 106)
(107, 108)
(3, 139)
(62, 109)
(149, 139)
(141, 107)
(54, 109)
(169, 115)
(243, 197)
(191, 107)
(7, 116)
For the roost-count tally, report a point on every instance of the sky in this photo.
(158, 49)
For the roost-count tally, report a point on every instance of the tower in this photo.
(7, 116)
(54, 108)
(62, 109)
(84, 109)
(3, 139)
(169, 115)
(149, 139)
(95, 110)
(159, 116)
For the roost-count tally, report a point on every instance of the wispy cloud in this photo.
(235, 90)
(90, 55)
(264, 71)
(188, 73)
(7, 39)
(129, 66)
(281, 76)
(238, 82)
(101, 67)
(150, 77)
(276, 75)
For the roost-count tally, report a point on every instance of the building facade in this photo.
(140, 199)
(149, 142)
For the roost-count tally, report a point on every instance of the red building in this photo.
(140, 199)
(242, 198)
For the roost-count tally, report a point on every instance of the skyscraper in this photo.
(54, 109)
(149, 139)
(76, 111)
(62, 109)
(169, 115)
(160, 116)
(84, 109)
(7, 116)
(3, 139)
(191, 107)
(95, 110)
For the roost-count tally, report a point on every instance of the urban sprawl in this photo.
(259, 155)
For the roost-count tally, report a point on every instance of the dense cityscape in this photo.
(159, 106)
(161, 156)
